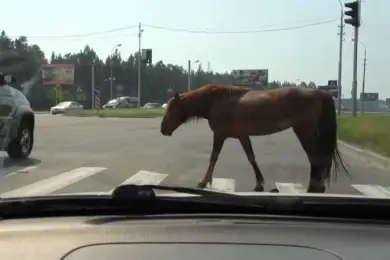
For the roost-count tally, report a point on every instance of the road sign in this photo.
(332, 83)
(97, 98)
(79, 89)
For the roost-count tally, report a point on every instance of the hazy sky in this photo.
(310, 53)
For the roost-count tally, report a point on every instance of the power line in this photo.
(90, 39)
(178, 30)
(241, 32)
(78, 35)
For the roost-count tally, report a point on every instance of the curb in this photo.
(367, 154)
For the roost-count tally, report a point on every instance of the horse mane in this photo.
(206, 94)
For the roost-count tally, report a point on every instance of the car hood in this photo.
(244, 194)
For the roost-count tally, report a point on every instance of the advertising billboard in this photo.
(250, 77)
(53, 74)
(369, 96)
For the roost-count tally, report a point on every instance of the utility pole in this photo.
(140, 31)
(354, 19)
(189, 76)
(363, 82)
(111, 77)
(93, 83)
(340, 62)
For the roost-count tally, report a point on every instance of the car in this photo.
(17, 120)
(64, 106)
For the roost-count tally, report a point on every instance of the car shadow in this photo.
(8, 166)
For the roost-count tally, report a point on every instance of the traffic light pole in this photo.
(354, 81)
(340, 62)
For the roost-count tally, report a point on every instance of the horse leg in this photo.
(218, 142)
(307, 138)
(247, 145)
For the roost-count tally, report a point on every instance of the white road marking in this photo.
(23, 170)
(222, 184)
(54, 183)
(145, 178)
(372, 190)
(285, 187)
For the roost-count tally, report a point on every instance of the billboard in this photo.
(53, 74)
(250, 77)
(369, 96)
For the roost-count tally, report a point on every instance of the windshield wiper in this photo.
(128, 199)
(141, 192)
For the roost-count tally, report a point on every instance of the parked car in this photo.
(17, 120)
(152, 105)
(64, 106)
(122, 102)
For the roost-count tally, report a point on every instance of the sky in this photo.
(306, 54)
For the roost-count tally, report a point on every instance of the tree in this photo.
(156, 78)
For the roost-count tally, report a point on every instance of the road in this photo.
(94, 154)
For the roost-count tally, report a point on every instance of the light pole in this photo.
(111, 67)
(364, 76)
(189, 73)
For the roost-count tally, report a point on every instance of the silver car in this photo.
(17, 122)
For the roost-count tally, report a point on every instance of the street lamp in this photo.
(111, 67)
(189, 73)
(364, 76)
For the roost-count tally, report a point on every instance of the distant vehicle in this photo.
(122, 102)
(65, 106)
(152, 105)
(17, 120)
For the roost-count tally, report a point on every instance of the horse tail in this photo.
(327, 137)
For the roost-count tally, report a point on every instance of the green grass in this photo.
(367, 131)
(119, 112)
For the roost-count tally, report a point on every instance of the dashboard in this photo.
(192, 237)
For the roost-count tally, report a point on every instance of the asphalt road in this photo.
(94, 154)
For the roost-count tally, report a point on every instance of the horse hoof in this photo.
(274, 190)
(201, 185)
(259, 189)
(316, 189)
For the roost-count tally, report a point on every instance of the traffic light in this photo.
(353, 13)
(147, 56)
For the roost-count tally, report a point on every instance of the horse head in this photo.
(174, 115)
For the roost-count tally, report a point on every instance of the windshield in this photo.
(304, 115)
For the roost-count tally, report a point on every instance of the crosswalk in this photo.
(59, 181)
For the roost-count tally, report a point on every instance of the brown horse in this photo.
(240, 113)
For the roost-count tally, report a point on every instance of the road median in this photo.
(371, 131)
(119, 112)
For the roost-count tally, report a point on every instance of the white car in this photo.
(64, 106)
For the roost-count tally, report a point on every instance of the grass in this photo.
(371, 131)
(119, 112)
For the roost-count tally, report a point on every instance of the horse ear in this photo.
(177, 97)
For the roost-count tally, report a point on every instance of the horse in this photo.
(237, 112)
